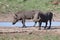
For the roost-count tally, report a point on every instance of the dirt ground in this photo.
(29, 30)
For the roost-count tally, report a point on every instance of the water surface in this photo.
(19, 24)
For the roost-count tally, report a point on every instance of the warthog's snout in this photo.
(13, 23)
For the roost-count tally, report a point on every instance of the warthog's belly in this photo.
(43, 20)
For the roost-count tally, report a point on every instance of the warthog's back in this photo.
(28, 14)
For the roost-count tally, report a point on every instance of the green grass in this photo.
(29, 37)
(17, 5)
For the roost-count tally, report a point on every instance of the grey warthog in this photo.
(45, 17)
(23, 15)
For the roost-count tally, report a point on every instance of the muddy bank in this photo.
(30, 30)
(6, 17)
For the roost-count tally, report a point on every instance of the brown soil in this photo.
(29, 30)
(6, 17)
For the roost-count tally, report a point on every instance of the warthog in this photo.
(23, 15)
(45, 17)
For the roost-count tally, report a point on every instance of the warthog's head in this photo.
(15, 20)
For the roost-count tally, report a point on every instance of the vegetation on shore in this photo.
(7, 6)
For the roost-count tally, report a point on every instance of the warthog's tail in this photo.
(53, 17)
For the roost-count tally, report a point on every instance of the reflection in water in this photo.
(19, 24)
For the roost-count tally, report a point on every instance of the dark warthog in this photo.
(23, 15)
(45, 18)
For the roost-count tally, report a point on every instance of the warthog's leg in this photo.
(23, 22)
(40, 25)
(50, 24)
(45, 26)
(36, 18)
(35, 24)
